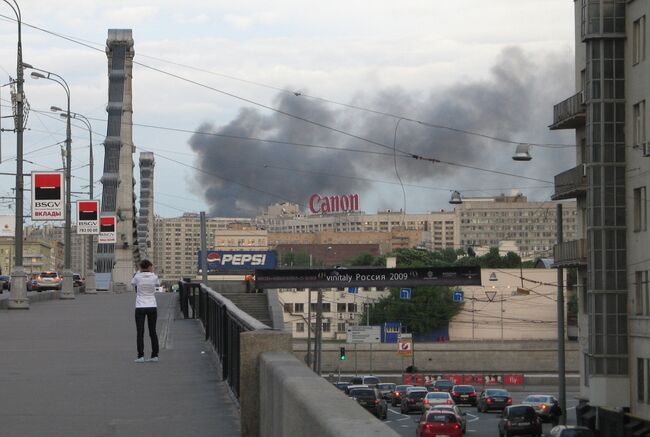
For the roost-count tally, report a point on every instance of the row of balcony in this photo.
(570, 253)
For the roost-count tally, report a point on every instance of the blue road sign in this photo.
(353, 290)
(405, 293)
(459, 296)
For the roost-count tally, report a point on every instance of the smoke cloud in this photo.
(242, 177)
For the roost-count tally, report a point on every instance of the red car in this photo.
(437, 423)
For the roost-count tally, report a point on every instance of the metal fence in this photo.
(222, 321)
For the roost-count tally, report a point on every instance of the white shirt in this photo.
(145, 283)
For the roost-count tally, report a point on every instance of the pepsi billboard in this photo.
(220, 260)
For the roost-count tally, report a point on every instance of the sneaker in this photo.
(139, 360)
(153, 360)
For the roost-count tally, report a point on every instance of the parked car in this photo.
(398, 394)
(413, 401)
(368, 380)
(493, 399)
(437, 398)
(78, 280)
(5, 283)
(464, 394)
(543, 404)
(48, 280)
(386, 389)
(370, 398)
(442, 385)
(571, 431)
(520, 420)
(435, 423)
(461, 416)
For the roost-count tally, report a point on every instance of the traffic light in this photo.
(342, 356)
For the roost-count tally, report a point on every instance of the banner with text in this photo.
(107, 230)
(221, 260)
(87, 217)
(47, 196)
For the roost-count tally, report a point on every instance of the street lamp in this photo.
(18, 298)
(67, 290)
(90, 271)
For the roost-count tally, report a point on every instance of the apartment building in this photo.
(38, 255)
(609, 181)
(486, 222)
(55, 236)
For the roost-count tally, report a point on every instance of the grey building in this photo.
(145, 217)
(612, 77)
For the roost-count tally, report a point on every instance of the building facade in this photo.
(54, 236)
(145, 216)
(38, 256)
(608, 113)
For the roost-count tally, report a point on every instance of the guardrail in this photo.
(569, 113)
(569, 184)
(570, 253)
(222, 322)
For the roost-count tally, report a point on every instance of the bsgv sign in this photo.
(47, 196)
(323, 204)
(219, 260)
(87, 217)
(107, 231)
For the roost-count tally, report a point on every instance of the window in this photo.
(638, 40)
(300, 327)
(641, 304)
(340, 327)
(640, 206)
(638, 124)
(340, 307)
(298, 307)
(287, 307)
(326, 327)
(352, 308)
(642, 385)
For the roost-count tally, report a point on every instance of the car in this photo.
(398, 394)
(519, 420)
(341, 385)
(437, 398)
(442, 385)
(370, 398)
(413, 401)
(435, 423)
(415, 387)
(32, 284)
(571, 431)
(5, 283)
(347, 389)
(460, 415)
(464, 394)
(77, 279)
(493, 399)
(386, 389)
(542, 405)
(48, 280)
(368, 380)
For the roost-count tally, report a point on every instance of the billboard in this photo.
(220, 260)
(87, 217)
(47, 196)
(7, 226)
(107, 233)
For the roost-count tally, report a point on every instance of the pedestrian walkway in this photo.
(66, 369)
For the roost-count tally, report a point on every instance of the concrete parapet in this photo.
(251, 345)
(34, 296)
(300, 403)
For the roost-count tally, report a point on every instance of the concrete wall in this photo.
(484, 356)
(299, 403)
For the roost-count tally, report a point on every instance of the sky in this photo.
(493, 68)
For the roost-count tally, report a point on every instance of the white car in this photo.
(437, 398)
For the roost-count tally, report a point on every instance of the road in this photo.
(478, 424)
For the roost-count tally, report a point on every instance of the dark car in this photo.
(413, 401)
(370, 399)
(77, 279)
(464, 394)
(442, 385)
(398, 394)
(5, 283)
(520, 420)
(341, 385)
(386, 389)
(32, 284)
(493, 399)
(571, 431)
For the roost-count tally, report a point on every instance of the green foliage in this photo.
(297, 259)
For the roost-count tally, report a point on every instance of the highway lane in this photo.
(478, 424)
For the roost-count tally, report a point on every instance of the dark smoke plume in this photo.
(514, 102)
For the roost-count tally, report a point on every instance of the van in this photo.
(369, 380)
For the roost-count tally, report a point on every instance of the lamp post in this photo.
(90, 270)
(67, 290)
(18, 296)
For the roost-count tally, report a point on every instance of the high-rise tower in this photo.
(116, 262)
(145, 219)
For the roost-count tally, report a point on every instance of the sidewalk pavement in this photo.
(66, 369)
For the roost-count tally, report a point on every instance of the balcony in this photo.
(570, 254)
(571, 183)
(569, 114)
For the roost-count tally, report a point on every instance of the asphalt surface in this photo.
(478, 424)
(66, 369)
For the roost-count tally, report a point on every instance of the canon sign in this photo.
(323, 204)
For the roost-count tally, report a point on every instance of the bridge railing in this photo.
(222, 322)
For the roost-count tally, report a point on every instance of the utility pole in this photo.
(319, 331)
(309, 327)
(204, 250)
(560, 321)
(501, 316)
